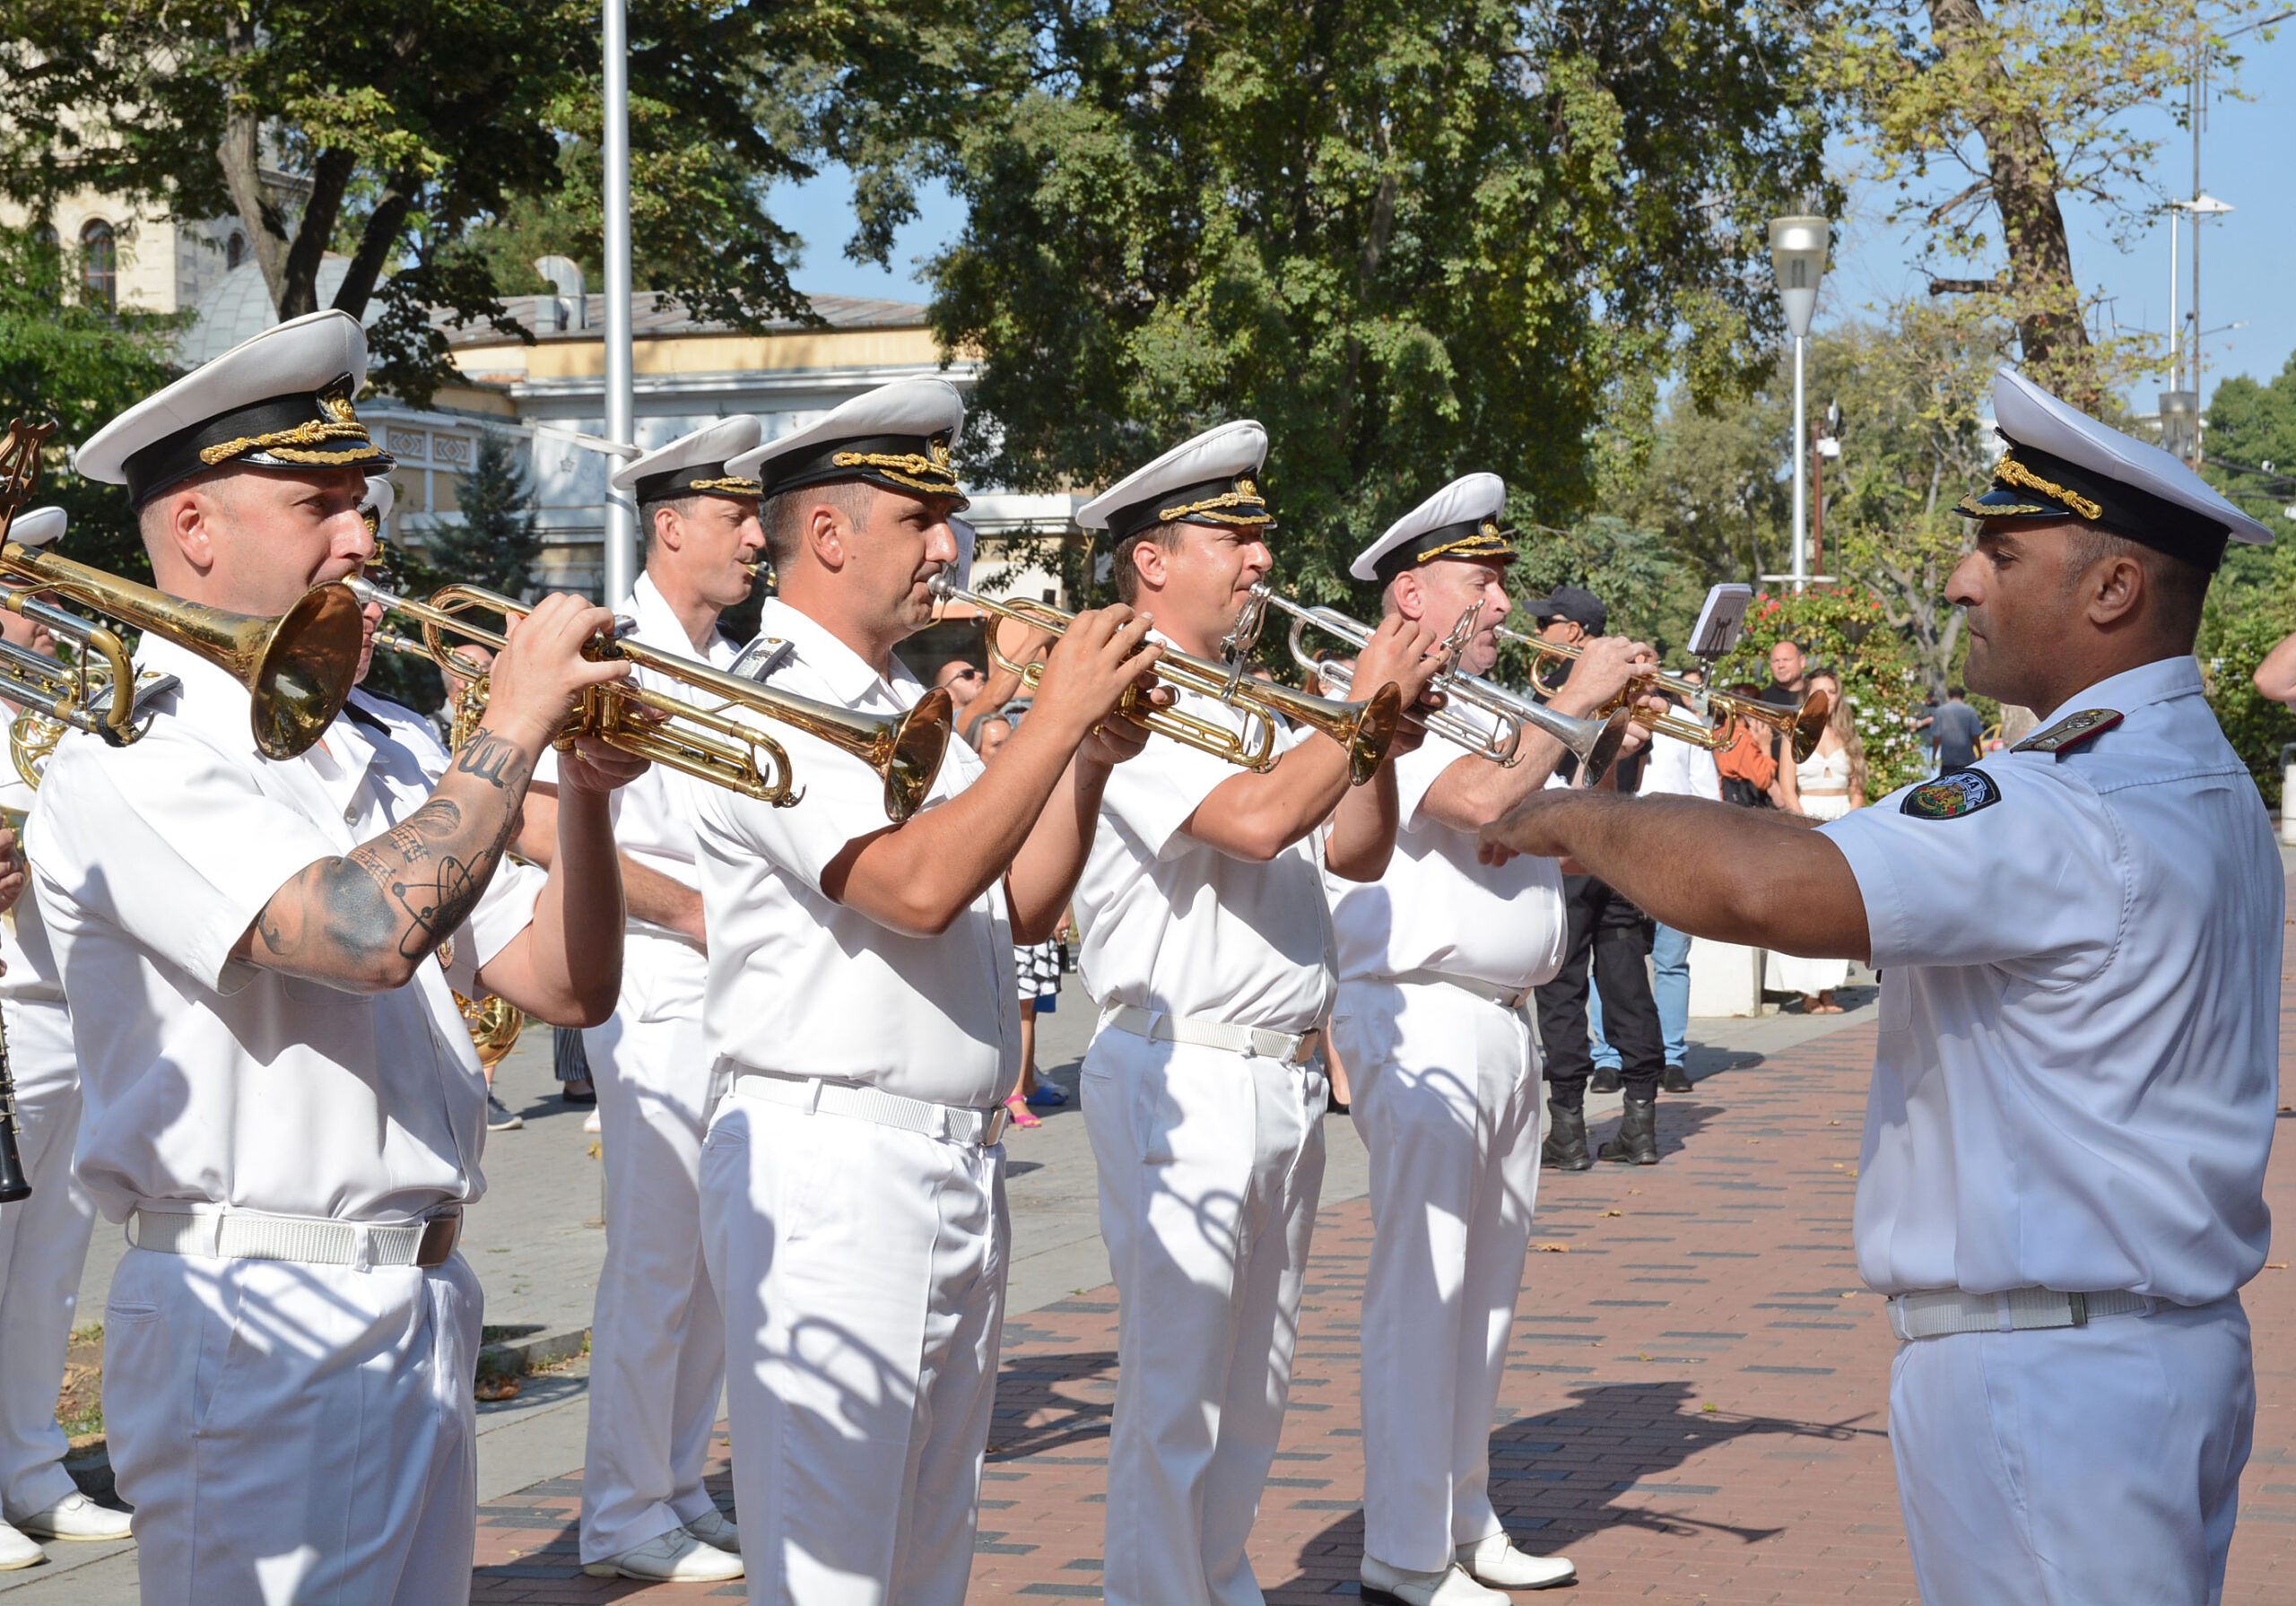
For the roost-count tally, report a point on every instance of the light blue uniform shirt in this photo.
(2076, 1078)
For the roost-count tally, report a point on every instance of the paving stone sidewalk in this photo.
(1695, 1412)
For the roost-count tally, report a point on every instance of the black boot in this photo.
(1606, 1079)
(1636, 1142)
(1565, 1148)
(1675, 1079)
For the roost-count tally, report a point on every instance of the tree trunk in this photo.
(383, 226)
(2024, 172)
(240, 155)
(330, 176)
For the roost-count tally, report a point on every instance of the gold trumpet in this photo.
(1594, 741)
(297, 668)
(1710, 715)
(715, 741)
(1364, 729)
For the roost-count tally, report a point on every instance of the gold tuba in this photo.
(297, 668)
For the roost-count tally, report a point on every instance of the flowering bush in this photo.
(1843, 629)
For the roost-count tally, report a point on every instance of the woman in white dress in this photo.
(1825, 786)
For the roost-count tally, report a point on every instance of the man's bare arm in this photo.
(1736, 875)
(364, 921)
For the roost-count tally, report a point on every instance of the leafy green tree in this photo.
(2251, 451)
(499, 540)
(81, 365)
(389, 131)
(1413, 240)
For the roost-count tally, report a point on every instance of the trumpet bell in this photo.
(301, 667)
(914, 750)
(1810, 725)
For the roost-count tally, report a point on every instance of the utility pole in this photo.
(621, 513)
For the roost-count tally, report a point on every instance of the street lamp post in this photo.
(1797, 254)
(622, 514)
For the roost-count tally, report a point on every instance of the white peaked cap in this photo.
(281, 400)
(898, 435)
(1462, 519)
(1209, 480)
(697, 464)
(37, 526)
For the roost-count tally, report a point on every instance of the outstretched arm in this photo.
(1737, 875)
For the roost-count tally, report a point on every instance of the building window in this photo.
(100, 263)
(235, 249)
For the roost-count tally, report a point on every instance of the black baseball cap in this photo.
(1578, 606)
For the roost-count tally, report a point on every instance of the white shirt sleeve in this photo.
(1153, 795)
(2037, 881)
(1416, 774)
(844, 800)
(185, 882)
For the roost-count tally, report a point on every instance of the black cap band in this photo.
(914, 464)
(2028, 484)
(1230, 500)
(307, 430)
(695, 479)
(1475, 539)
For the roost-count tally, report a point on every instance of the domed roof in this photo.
(237, 307)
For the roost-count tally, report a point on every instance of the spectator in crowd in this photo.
(962, 679)
(1825, 786)
(1923, 723)
(1609, 937)
(1788, 675)
(1959, 730)
(1746, 764)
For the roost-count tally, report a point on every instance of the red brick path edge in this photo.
(1696, 1408)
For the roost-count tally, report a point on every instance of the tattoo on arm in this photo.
(408, 890)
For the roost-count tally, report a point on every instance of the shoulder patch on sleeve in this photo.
(1951, 796)
(2069, 732)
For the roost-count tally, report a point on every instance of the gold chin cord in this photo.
(1595, 741)
(1708, 718)
(297, 667)
(709, 727)
(1363, 728)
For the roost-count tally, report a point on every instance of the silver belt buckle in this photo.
(2079, 1304)
(999, 1119)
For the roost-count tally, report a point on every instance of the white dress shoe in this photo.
(74, 1517)
(715, 1528)
(672, 1558)
(1448, 1587)
(16, 1550)
(1497, 1562)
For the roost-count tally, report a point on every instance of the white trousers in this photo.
(1447, 1089)
(1210, 1167)
(43, 1248)
(863, 1274)
(657, 1339)
(2066, 1466)
(291, 1433)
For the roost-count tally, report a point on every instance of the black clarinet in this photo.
(14, 1184)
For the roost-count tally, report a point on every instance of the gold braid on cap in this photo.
(2017, 473)
(285, 443)
(904, 468)
(1244, 491)
(729, 486)
(1491, 540)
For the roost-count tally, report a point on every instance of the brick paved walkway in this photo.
(1695, 1411)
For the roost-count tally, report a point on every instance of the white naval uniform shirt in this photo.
(1678, 770)
(801, 985)
(2075, 1079)
(1171, 924)
(1437, 909)
(210, 1080)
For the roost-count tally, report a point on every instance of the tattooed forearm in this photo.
(368, 917)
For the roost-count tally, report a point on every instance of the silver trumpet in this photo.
(1594, 741)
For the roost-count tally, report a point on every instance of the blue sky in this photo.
(2248, 152)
